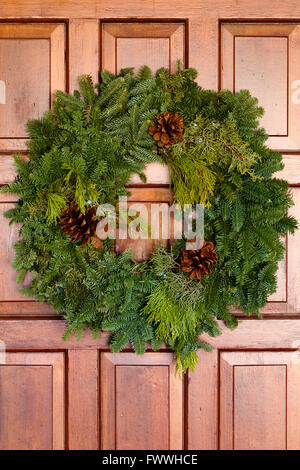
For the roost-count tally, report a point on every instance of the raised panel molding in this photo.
(11, 301)
(83, 50)
(291, 170)
(141, 402)
(250, 400)
(244, 394)
(9, 289)
(83, 399)
(286, 300)
(133, 44)
(105, 388)
(32, 401)
(259, 407)
(29, 82)
(265, 58)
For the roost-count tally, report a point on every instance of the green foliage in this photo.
(179, 92)
(86, 149)
(211, 153)
(56, 203)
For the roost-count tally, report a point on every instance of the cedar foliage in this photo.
(85, 149)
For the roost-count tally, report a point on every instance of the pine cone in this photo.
(96, 242)
(79, 226)
(197, 263)
(168, 128)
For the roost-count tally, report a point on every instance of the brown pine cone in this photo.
(96, 242)
(168, 129)
(79, 226)
(197, 263)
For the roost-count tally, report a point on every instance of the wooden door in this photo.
(57, 395)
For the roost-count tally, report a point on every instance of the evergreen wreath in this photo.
(83, 152)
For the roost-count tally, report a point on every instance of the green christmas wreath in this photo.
(83, 152)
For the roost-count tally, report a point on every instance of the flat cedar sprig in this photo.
(207, 152)
(84, 151)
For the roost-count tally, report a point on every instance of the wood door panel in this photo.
(257, 406)
(136, 44)
(27, 88)
(265, 59)
(256, 398)
(291, 171)
(29, 83)
(83, 50)
(83, 399)
(255, 364)
(154, 50)
(281, 292)
(7, 170)
(260, 400)
(151, 203)
(257, 383)
(260, 61)
(11, 301)
(286, 299)
(9, 289)
(32, 401)
(133, 44)
(143, 245)
(142, 402)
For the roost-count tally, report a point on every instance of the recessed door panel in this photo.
(264, 58)
(258, 406)
(136, 44)
(32, 401)
(142, 402)
(32, 67)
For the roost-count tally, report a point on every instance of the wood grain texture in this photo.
(285, 301)
(264, 58)
(251, 333)
(11, 301)
(9, 234)
(256, 388)
(83, 402)
(260, 400)
(258, 394)
(145, 194)
(252, 392)
(280, 295)
(154, 231)
(29, 82)
(83, 50)
(294, 256)
(32, 401)
(149, 9)
(291, 171)
(144, 424)
(202, 396)
(21, 72)
(260, 61)
(156, 173)
(255, 379)
(26, 309)
(7, 169)
(142, 402)
(136, 44)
